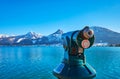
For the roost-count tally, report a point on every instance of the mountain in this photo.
(3, 36)
(54, 38)
(32, 35)
(102, 35)
(27, 39)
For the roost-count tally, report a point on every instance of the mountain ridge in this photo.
(102, 35)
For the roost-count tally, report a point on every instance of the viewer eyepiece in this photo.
(88, 33)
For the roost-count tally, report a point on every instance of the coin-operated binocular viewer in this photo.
(74, 65)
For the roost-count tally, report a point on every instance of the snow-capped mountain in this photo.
(102, 35)
(32, 35)
(53, 38)
(3, 36)
(26, 39)
(32, 38)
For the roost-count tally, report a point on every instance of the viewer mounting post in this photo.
(74, 65)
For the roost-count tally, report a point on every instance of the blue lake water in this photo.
(37, 62)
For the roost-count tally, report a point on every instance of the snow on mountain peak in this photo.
(3, 36)
(33, 35)
(58, 32)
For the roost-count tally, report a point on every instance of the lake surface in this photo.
(37, 62)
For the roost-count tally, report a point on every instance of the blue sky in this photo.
(46, 16)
